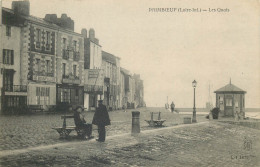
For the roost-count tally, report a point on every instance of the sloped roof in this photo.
(125, 71)
(230, 88)
(108, 57)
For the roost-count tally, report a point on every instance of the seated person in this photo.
(80, 122)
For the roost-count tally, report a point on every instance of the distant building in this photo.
(123, 97)
(229, 99)
(93, 73)
(139, 90)
(111, 67)
(129, 89)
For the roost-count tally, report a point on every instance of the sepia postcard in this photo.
(130, 83)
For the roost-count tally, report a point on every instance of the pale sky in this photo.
(170, 50)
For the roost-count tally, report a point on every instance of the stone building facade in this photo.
(111, 67)
(139, 91)
(13, 92)
(93, 85)
(45, 64)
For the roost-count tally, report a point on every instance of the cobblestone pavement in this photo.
(19, 132)
(203, 144)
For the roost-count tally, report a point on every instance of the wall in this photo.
(70, 37)
(12, 43)
(95, 56)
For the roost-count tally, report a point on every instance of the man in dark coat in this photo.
(101, 119)
(172, 106)
(80, 122)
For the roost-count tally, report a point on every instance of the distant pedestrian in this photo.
(172, 106)
(80, 122)
(101, 119)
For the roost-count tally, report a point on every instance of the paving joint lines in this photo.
(20, 151)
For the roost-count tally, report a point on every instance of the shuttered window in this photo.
(8, 56)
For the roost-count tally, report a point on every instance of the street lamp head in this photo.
(194, 84)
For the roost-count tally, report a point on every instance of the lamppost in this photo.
(194, 84)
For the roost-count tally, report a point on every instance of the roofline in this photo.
(112, 54)
(228, 92)
(93, 42)
(53, 26)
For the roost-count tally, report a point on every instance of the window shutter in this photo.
(4, 56)
(12, 57)
(37, 91)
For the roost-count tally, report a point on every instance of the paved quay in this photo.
(21, 132)
(210, 143)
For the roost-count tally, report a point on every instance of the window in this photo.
(65, 95)
(229, 102)
(38, 35)
(75, 45)
(42, 95)
(48, 40)
(48, 69)
(8, 31)
(63, 69)
(38, 94)
(75, 70)
(38, 38)
(76, 95)
(48, 37)
(8, 56)
(38, 65)
(64, 41)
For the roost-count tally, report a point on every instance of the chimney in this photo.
(52, 18)
(91, 34)
(0, 16)
(66, 22)
(84, 32)
(21, 7)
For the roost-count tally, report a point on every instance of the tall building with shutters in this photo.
(42, 59)
(93, 73)
(13, 90)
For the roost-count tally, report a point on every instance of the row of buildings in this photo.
(44, 63)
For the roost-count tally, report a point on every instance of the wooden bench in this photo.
(65, 130)
(157, 122)
(35, 108)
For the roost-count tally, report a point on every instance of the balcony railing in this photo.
(70, 79)
(65, 54)
(43, 76)
(76, 56)
(15, 88)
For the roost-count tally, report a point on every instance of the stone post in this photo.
(135, 122)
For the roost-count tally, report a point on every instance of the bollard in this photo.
(135, 122)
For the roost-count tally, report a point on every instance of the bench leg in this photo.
(64, 133)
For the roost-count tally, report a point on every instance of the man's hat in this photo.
(100, 100)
